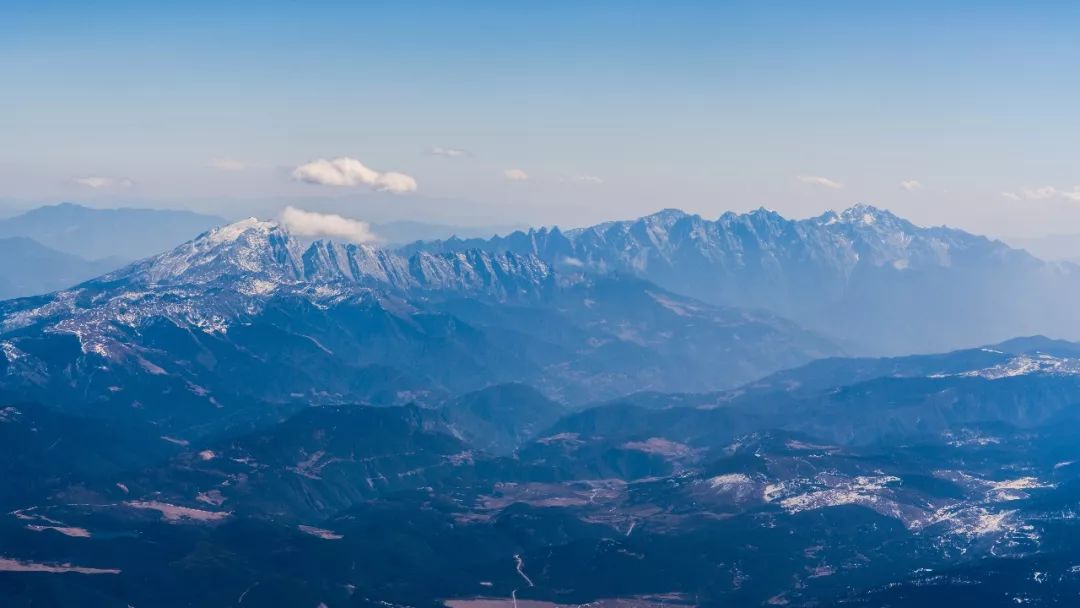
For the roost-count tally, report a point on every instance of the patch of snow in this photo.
(1023, 365)
(320, 532)
(975, 521)
(11, 352)
(679, 308)
(15, 565)
(660, 446)
(65, 530)
(729, 479)
(213, 498)
(861, 490)
(175, 513)
(793, 444)
(564, 438)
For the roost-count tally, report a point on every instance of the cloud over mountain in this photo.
(345, 171)
(315, 225)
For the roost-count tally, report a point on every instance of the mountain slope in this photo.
(45, 451)
(865, 277)
(1022, 384)
(353, 505)
(500, 418)
(29, 268)
(246, 314)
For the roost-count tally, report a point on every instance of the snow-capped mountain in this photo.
(259, 257)
(864, 276)
(196, 367)
(248, 313)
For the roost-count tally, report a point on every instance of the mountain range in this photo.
(252, 418)
(123, 234)
(247, 314)
(797, 489)
(28, 267)
(871, 281)
(54, 247)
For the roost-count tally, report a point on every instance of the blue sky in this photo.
(963, 114)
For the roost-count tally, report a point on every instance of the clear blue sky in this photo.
(610, 109)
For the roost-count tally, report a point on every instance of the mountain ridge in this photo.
(28, 268)
(246, 314)
(126, 233)
(865, 277)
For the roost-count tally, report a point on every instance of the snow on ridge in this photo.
(15, 565)
(71, 531)
(862, 490)
(174, 513)
(1024, 365)
(729, 479)
(231, 232)
(660, 446)
(320, 532)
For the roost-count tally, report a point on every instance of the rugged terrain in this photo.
(874, 282)
(252, 419)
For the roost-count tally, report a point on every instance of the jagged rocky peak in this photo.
(258, 257)
(761, 216)
(865, 214)
(236, 230)
(249, 247)
(764, 213)
(665, 217)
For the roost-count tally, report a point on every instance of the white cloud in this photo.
(346, 171)
(1043, 193)
(448, 152)
(228, 164)
(817, 180)
(329, 225)
(587, 179)
(97, 182)
(1038, 194)
(910, 185)
(516, 175)
(395, 182)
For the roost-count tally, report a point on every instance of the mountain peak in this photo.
(667, 215)
(233, 231)
(764, 212)
(249, 247)
(260, 258)
(664, 219)
(863, 213)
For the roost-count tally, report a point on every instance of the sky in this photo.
(569, 113)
